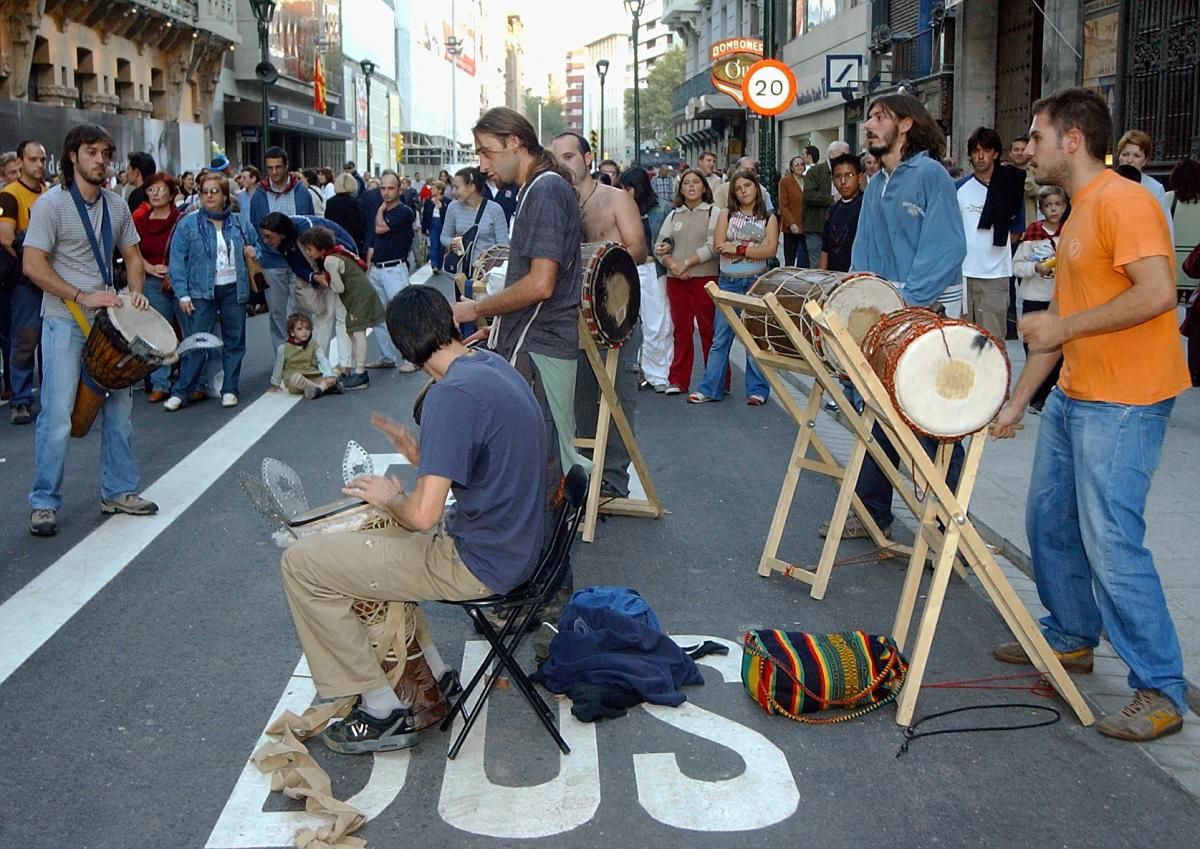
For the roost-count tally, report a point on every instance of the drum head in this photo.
(612, 291)
(949, 395)
(316, 514)
(148, 325)
(859, 302)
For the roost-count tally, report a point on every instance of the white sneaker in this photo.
(229, 400)
(172, 404)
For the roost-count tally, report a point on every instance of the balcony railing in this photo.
(696, 86)
(182, 10)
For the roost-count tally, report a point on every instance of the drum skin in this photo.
(946, 377)
(611, 292)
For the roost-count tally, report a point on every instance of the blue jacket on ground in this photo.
(295, 258)
(193, 256)
(607, 648)
(911, 233)
(259, 207)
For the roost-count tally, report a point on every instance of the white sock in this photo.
(432, 656)
(381, 703)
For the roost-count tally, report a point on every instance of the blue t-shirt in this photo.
(482, 428)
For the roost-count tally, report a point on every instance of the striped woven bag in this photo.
(794, 673)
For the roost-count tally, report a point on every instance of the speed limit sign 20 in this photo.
(769, 87)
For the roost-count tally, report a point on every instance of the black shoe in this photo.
(449, 684)
(20, 415)
(43, 522)
(360, 733)
(358, 380)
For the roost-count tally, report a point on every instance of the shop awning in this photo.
(249, 113)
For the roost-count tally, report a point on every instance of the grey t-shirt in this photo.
(56, 228)
(546, 226)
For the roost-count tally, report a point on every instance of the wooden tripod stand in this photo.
(611, 411)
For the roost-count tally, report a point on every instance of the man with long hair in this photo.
(537, 313)
(915, 240)
(1112, 318)
(73, 230)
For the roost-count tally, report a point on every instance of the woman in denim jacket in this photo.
(208, 271)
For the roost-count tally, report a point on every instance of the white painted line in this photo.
(35, 612)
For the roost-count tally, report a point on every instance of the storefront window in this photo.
(811, 13)
(1100, 55)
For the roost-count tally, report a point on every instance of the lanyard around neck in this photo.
(103, 259)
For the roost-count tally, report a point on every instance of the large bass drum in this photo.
(946, 377)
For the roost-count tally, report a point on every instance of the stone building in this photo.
(145, 69)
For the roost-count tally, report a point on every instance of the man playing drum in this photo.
(1101, 431)
(609, 214)
(482, 437)
(915, 239)
(537, 312)
(73, 230)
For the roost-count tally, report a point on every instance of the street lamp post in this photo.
(454, 48)
(636, 8)
(368, 69)
(602, 70)
(264, 12)
(766, 127)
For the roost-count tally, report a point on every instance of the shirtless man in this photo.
(609, 214)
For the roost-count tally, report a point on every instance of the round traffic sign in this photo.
(769, 87)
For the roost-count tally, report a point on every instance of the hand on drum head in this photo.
(464, 311)
(399, 436)
(376, 490)
(99, 300)
(139, 301)
(1007, 421)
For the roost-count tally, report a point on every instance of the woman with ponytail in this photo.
(208, 272)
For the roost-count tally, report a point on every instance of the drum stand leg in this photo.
(611, 411)
(951, 507)
(805, 417)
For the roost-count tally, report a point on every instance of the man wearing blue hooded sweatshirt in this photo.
(910, 232)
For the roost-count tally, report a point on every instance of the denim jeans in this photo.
(60, 378)
(223, 307)
(1086, 526)
(25, 329)
(712, 385)
(164, 304)
(279, 302)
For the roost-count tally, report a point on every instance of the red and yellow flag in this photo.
(319, 83)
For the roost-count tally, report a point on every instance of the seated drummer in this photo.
(482, 437)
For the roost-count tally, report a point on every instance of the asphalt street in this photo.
(163, 654)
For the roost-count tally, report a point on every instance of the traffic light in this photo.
(594, 140)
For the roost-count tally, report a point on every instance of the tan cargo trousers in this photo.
(324, 574)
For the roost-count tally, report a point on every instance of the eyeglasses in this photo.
(212, 190)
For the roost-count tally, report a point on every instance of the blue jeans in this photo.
(712, 385)
(25, 329)
(223, 307)
(873, 486)
(60, 378)
(163, 304)
(1084, 517)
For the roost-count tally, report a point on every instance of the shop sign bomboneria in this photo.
(731, 58)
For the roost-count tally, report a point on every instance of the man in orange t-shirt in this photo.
(1101, 433)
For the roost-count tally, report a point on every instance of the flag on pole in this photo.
(319, 83)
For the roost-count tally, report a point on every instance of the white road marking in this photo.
(471, 801)
(35, 612)
(244, 824)
(676, 800)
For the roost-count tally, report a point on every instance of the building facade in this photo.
(147, 71)
(576, 75)
(617, 136)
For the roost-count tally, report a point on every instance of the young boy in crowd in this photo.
(841, 223)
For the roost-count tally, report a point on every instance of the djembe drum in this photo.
(611, 295)
(390, 625)
(946, 377)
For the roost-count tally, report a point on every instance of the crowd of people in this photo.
(329, 258)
